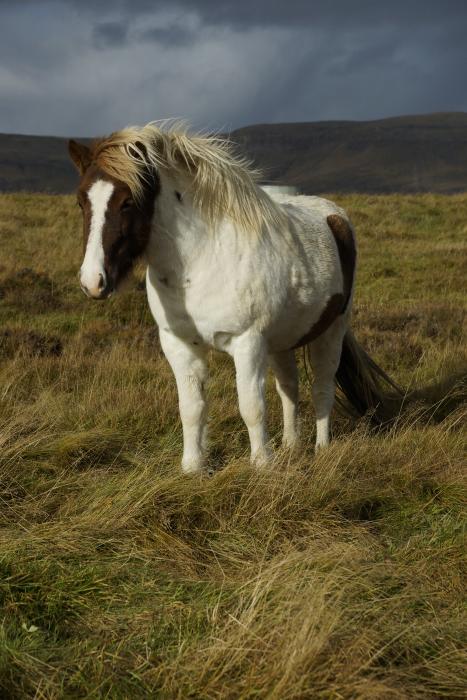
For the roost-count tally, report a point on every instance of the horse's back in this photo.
(324, 232)
(309, 207)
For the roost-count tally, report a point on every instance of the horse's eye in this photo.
(127, 204)
(79, 203)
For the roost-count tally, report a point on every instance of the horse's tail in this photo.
(366, 388)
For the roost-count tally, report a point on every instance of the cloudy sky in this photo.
(86, 67)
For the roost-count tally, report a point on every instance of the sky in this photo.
(88, 67)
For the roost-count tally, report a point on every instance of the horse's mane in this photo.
(220, 182)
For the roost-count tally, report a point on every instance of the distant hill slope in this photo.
(35, 164)
(401, 154)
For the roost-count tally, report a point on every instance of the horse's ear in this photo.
(80, 155)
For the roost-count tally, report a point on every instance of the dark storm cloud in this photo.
(172, 35)
(110, 34)
(326, 13)
(85, 67)
(337, 13)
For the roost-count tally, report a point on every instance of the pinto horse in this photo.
(228, 267)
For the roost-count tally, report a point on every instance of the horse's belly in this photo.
(290, 328)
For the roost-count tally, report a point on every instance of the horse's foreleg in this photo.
(190, 369)
(325, 353)
(284, 366)
(249, 354)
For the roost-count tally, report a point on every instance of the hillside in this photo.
(35, 164)
(402, 154)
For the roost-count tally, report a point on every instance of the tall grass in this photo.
(336, 576)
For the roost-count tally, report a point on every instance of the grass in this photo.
(337, 576)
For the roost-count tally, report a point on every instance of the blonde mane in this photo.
(220, 182)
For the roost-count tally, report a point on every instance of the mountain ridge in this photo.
(408, 153)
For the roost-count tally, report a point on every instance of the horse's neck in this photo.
(178, 230)
(182, 240)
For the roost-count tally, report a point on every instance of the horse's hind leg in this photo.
(284, 366)
(324, 354)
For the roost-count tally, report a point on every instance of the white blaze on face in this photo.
(93, 264)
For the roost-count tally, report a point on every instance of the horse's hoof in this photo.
(261, 460)
(192, 467)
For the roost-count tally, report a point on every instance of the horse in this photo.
(228, 267)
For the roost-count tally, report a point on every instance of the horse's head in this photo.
(116, 226)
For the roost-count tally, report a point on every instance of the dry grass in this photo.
(331, 577)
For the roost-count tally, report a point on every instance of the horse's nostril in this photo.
(101, 284)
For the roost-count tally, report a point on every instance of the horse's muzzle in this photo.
(103, 289)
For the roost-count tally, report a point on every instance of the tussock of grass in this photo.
(336, 576)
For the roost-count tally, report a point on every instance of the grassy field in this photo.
(339, 576)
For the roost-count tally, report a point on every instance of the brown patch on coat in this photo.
(347, 252)
(337, 304)
(332, 310)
